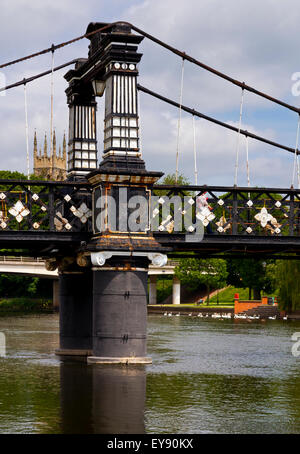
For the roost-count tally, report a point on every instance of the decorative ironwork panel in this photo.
(229, 210)
(67, 207)
(48, 206)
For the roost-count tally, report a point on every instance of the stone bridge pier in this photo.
(103, 306)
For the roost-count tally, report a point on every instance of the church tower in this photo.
(47, 166)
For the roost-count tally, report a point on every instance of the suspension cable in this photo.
(51, 112)
(195, 153)
(218, 122)
(247, 164)
(238, 139)
(296, 161)
(31, 79)
(168, 47)
(26, 132)
(179, 120)
(183, 55)
(57, 46)
(213, 71)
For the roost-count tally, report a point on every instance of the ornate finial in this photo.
(59, 153)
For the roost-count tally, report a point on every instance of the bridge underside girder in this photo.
(238, 246)
(43, 243)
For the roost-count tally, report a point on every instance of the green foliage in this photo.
(9, 175)
(25, 305)
(32, 287)
(253, 274)
(164, 289)
(170, 179)
(288, 280)
(182, 180)
(210, 272)
(12, 285)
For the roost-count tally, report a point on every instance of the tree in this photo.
(210, 272)
(170, 179)
(252, 274)
(288, 281)
(14, 175)
(13, 285)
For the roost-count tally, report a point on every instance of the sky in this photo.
(256, 42)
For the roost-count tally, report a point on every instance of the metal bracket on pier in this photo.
(156, 258)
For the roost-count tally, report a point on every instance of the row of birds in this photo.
(229, 315)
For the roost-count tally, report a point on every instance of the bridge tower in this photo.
(115, 261)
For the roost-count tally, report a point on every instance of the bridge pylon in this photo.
(122, 245)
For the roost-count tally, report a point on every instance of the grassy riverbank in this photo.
(25, 305)
(221, 298)
(226, 296)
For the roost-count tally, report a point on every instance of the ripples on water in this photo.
(207, 376)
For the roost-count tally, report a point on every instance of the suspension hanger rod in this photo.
(218, 122)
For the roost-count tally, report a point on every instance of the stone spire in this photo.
(45, 146)
(54, 143)
(53, 158)
(47, 166)
(64, 147)
(35, 149)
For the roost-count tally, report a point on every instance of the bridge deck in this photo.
(41, 243)
(232, 245)
(44, 216)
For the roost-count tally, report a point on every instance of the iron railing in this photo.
(49, 206)
(232, 210)
(67, 207)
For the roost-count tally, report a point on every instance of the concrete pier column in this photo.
(152, 289)
(119, 316)
(56, 295)
(176, 291)
(75, 314)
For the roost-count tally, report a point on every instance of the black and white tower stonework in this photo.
(119, 251)
(82, 146)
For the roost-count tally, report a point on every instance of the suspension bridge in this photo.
(104, 263)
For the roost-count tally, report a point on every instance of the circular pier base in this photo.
(115, 360)
(72, 352)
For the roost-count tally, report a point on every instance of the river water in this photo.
(207, 376)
